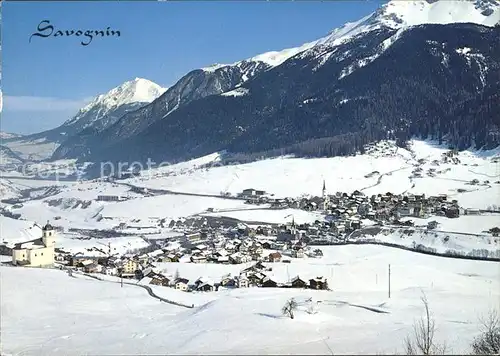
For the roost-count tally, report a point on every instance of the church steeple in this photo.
(324, 188)
(293, 229)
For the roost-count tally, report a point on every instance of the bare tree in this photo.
(422, 341)
(289, 307)
(488, 342)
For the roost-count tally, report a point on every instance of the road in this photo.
(152, 192)
(147, 288)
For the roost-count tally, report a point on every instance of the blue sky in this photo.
(47, 80)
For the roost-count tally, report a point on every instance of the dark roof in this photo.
(36, 242)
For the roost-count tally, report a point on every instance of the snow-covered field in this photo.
(82, 316)
(441, 242)
(383, 168)
(293, 177)
(272, 216)
(35, 149)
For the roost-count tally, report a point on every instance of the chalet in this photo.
(255, 268)
(452, 212)
(204, 285)
(171, 258)
(298, 283)
(268, 283)
(431, 225)
(252, 193)
(256, 278)
(88, 266)
(237, 258)
(318, 283)
(160, 280)
(243, 281)
(227, 281)
(472, 211)
(198, 259)
(317, 253)
(275, 257)
(76, 259)
(181, 284)
(224, 260)
(299, 253)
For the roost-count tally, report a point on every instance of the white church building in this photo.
(38, 252)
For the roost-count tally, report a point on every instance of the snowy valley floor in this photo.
(383, 168)
(46, 312)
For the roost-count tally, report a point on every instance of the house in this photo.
(256, 278)
(227, 281)
(203, 284)
(130, 266)
(405, 211)
(225, 260)
(181, 284)
(38, 252)
(243, 281)
(318, 283)
(452, 212)
(268, 283)
(275, 257)
(298, 283)
(88, 266)
(160, 280)
(109, 198)
(170, 258)
(318, 253)
(472, 211)
(198, 259)
(206, 287)
(252, 192)
(298, 253)
(431, 225)
(193, 237)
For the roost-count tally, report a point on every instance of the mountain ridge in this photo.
(234, 81)
(291, 104)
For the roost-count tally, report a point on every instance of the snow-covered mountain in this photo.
(8, 157)
(8, 135)
(346, 50)
(195, 85)
(107, 108)
(103, 111)
(399, 15)
(378, 72)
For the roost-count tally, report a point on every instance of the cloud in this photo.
(42, 104)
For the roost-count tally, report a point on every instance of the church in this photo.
(38, 252)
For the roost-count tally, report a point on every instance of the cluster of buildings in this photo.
(256, 275)
(347, 209)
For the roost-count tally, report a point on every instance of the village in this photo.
(212, 239)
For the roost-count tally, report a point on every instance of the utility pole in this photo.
(389, 280)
